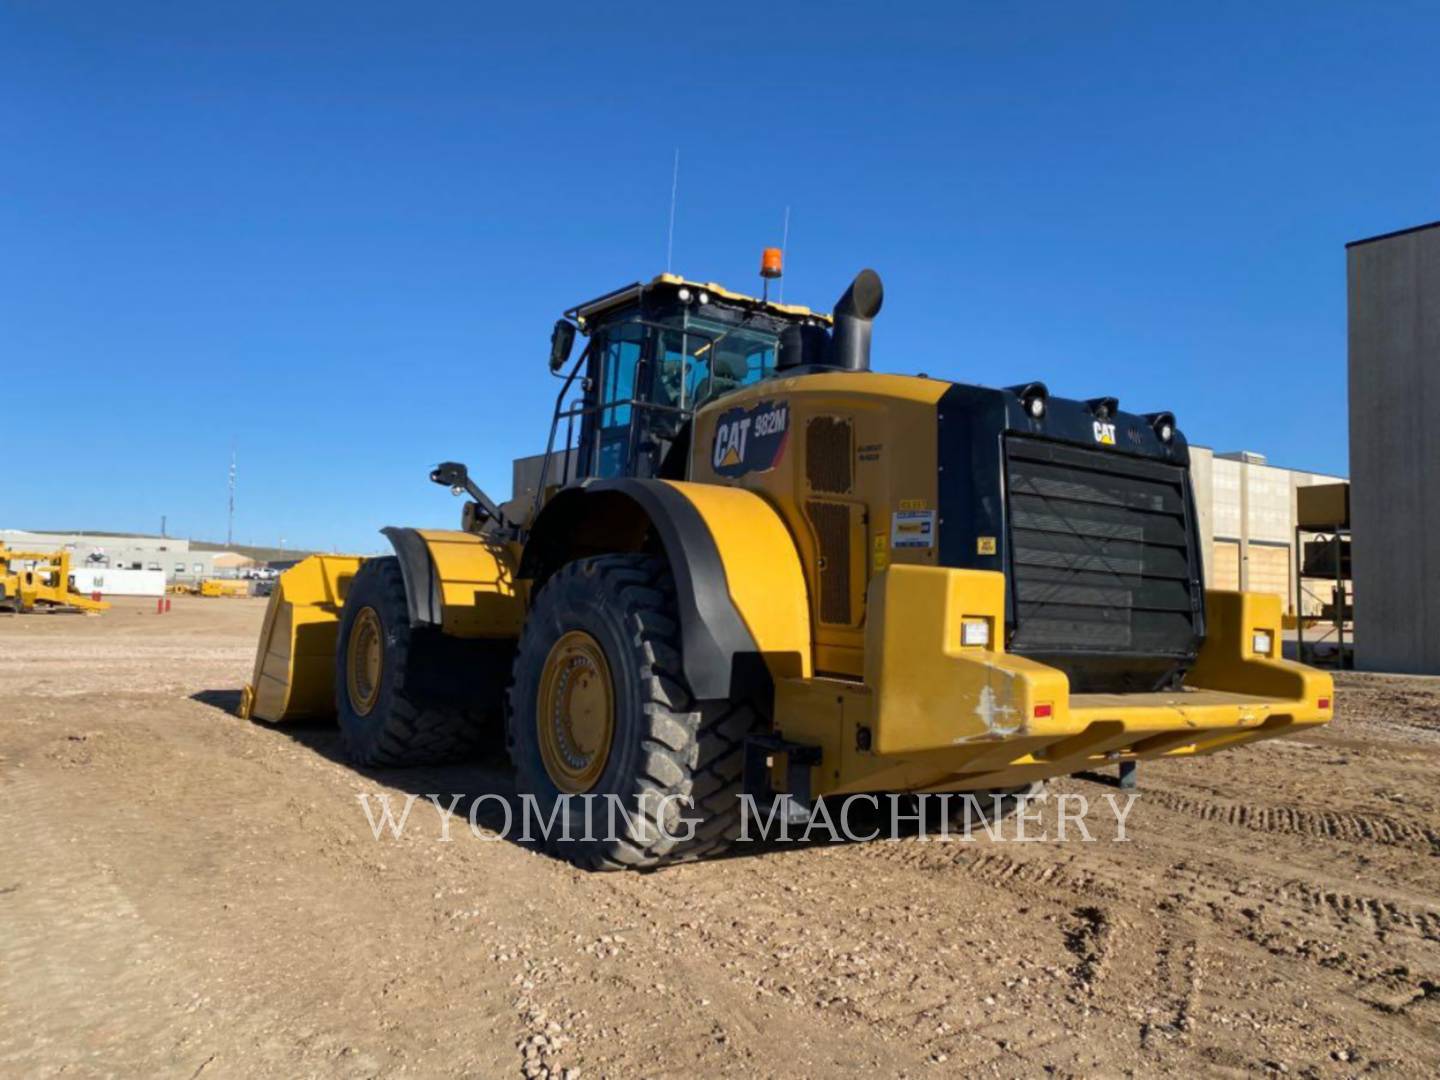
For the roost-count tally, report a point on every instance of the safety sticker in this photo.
(985, 545)
(912, 529)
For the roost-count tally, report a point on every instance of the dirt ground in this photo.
(183, 893)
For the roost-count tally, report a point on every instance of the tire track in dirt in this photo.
(989, 864)
(1087, 937)
(1177, 979)
(1381, 915)
(1222, 891)
(1352, 827)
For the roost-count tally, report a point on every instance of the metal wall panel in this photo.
(1394, 367)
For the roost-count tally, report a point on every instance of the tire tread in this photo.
(688, 748)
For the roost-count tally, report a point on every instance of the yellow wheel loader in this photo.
(746, 565)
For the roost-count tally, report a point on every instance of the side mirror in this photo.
(451, 474)
(562, 340)
(456, 477)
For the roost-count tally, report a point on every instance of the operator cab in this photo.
(656, 353)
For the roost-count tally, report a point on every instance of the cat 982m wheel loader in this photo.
(746, 563)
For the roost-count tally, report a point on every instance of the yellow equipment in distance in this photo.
(43, 582)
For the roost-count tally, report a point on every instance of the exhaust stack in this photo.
(854, 316)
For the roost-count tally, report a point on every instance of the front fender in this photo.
(458, 581)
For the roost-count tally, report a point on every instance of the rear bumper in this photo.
(935, 714)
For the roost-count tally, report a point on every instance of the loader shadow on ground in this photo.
(224, 700)
(491, 775)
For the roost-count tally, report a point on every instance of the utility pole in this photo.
(230, 523)
(162, 526)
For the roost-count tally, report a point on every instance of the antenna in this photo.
(784, 244)
(674, 190)
(230, 523)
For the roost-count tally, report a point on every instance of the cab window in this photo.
(623, 346)
(701, 360)
(619, 371)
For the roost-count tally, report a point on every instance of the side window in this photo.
(716, 363)
(697, 372)
(622, 355)
(672, 369)
(624, 345)
(741, 361)
(684, 367)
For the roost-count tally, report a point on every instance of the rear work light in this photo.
(975, 633)
(1262, 643)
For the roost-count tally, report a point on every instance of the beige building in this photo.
(112, 551)
(1246, 508)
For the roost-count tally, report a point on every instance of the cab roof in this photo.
(593, 310)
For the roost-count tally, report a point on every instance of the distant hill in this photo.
(259, 554)
(250, 551)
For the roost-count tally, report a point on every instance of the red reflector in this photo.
(1324, 703)
(1042, 710)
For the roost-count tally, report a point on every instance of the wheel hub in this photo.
(365, 661)
(575, 713)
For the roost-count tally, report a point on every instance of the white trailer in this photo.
(111, 582)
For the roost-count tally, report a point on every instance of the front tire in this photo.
(601, 714)
(396, 688)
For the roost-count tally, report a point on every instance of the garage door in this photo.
(1224, 568)
(1270, 572)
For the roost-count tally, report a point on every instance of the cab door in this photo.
(616, 376)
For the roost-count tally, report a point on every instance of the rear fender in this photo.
(744, 610)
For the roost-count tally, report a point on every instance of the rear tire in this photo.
(674, 764)
(409, 695)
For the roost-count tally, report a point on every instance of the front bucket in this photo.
(294, 675)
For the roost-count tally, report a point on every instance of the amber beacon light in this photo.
(771, 263)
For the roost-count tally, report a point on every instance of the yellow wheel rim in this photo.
(575, 715)
(364, 661)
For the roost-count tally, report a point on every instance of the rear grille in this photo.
(828, 464)
(832, 530)
(1099, 553)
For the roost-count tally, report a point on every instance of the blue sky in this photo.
(336, 235)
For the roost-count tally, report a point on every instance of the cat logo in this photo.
(1104, 433)
(750, 440)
